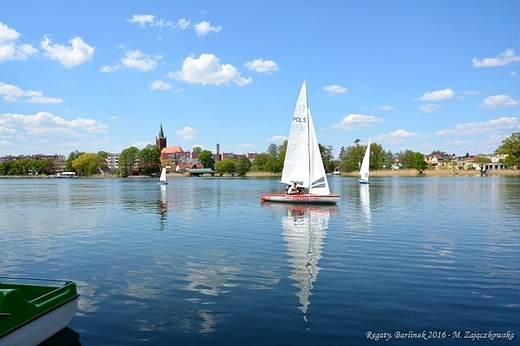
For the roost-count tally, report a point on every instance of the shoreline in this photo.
(380, 173)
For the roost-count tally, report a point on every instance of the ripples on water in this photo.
(202, 261)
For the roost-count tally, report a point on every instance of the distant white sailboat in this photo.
(303, 164)
(364, 170)
(162, 178)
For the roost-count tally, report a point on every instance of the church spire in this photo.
(160, 140)
(161, 133)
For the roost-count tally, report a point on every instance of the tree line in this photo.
(148, 160)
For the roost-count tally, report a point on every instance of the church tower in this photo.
(160, 140)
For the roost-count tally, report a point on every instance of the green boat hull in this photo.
(35, 307)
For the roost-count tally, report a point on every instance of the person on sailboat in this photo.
(293, 189)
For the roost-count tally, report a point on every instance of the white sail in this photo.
(162, 178)
(364, 170)
(303, 163)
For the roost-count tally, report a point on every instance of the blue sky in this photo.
(104, 75)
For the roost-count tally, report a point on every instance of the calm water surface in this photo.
(203, 262)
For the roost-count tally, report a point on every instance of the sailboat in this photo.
(363, 171)
(162, 178)
(303, 164)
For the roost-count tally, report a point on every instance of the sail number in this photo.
(299, 120)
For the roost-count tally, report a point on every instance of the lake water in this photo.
(203, 262)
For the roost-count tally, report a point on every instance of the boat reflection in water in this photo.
(162, 207)
(304, 231)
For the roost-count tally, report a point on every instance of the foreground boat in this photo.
(33, 310)
(303, 164)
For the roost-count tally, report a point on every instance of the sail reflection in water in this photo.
(364, 198)
(162, 207)
(304, 230)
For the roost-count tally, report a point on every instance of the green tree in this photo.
(88, 164)
(72, 156)
(243, 166)
(481, 161)
(128, 159)
(327, 157)
(150, 159)
(260, 162)
(511, 147)
(197, 150)
(103, 154)
(352, 157)
(225, 166)
(416, 161)
(206, 159)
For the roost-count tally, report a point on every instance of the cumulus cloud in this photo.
(277, 139)
(498, 101)
(10, 46)
(186, 133)
(139, 61)
(502, 59)
(142, 19)
(506, 124)
(438, 95)
(335, 89)
(206, 69)
(136, 60)
(76, 54)
(150, 20)
(11, 92)
(262, 66)
(159, 85)
(399, 136)
(353, 122)
(430, 108)
(204, 28)
(43, 123)
(387, 108)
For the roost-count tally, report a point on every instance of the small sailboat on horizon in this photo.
(162, 177)
(365, 166)
(303, 166)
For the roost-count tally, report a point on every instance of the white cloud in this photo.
(335, 89)
(150, 20)
(437, 95)
(182, 24)
(277, 139)
(262, 66)
(353, 122)
(430, 108)
(498, 101)
(512, 74)
(43, 123)
(159, 85)
(76, 54)
(493, 126)
(208, 70)
(11, 48)
(399, 136)
(142, 19)
(205, 28)
(387, 108)
(13, 93)
(139, 61)
(501, 59)
(186, 133)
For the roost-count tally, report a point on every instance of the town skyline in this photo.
(437, 79)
